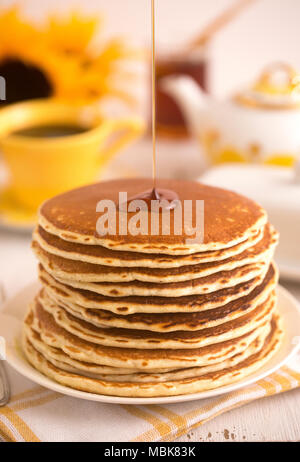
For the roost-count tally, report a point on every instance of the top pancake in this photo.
(229, 218)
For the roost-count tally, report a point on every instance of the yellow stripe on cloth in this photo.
(274, 384)
(292, 373)
(161, 427)
(210, 411)
(18, 405)
(6, 433)
(230, 401)
(19, 424)
(284, 382)
(179, 421)
(269, 387)
(224, 405)
(37, 402)
(28, 393)
(162, 423)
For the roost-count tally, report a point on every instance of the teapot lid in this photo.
(278, 87)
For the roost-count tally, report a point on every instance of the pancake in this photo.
(229, 218)
(54, 335)
(131, 305)
(167, 388)
(152, 313)
(100, 255)
(67, 269)
(143, 339)
(164, 322)
(59, 359)
(198, 286)
(57, 356)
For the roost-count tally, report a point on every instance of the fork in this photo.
(5, 397)
(4, 383)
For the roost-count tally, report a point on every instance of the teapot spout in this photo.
(190, 97)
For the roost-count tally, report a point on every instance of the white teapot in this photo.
(261, 124)
(277, 189)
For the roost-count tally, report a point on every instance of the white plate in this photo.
(10, 328)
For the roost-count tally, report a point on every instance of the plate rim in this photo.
(37, 377)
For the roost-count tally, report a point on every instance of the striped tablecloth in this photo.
(37, 414)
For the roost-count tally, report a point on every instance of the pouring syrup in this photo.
(167, 197)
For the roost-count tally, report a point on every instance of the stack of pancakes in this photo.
(152, 315)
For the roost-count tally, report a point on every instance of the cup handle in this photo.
(123, 131)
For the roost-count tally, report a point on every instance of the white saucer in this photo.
(13, 217)
(289, 270)
(10, 328)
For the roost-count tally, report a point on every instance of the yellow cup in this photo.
(43, 167)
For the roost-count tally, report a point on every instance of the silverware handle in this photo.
(5, 397)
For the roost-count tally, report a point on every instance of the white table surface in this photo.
(271, 419)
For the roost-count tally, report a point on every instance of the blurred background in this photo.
(267, 31)
(75, 108)
(75, 101)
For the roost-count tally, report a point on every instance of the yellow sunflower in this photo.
(56, 59)
(71, 34)
(108, 72)
(16, 35)
(18, 57)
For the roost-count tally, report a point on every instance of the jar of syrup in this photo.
(170, 120)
